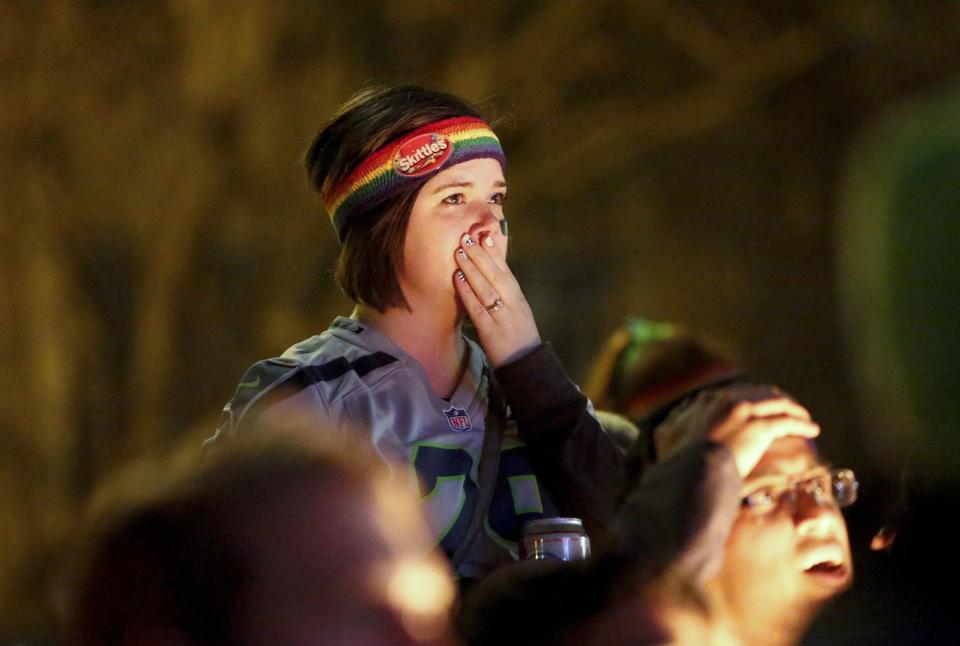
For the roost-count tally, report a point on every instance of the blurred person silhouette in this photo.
(737, 474)
(645, 365)
(413, 181)
(278, 538)
(732, 535)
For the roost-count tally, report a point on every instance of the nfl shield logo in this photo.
(457, 418)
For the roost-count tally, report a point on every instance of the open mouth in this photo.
(826, 563)
(828, 576)
(827, 568)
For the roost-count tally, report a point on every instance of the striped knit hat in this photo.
(659, 365)
(407, 162)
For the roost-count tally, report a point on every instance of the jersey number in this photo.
(450, 494)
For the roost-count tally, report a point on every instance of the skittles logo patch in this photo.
(422, 154)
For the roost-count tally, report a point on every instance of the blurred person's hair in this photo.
(160, 556)
(646, 364)
(372, 254)
(645, 370)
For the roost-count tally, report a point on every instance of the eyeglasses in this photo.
(834, 487)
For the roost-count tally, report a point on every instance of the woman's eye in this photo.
(497, 198)
(456, 198)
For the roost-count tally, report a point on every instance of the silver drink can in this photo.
(555, 538)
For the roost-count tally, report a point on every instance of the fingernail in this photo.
(461, 253)
(488, 241)
(468, 241)
(460, 276)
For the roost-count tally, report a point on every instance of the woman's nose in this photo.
(486, 220)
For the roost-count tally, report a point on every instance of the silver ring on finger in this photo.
(496, 305)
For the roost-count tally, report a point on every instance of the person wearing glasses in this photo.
(729, 532)
(748, 541)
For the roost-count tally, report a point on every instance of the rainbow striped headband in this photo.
(407, 162)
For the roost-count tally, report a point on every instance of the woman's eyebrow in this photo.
(456, 184)
(465, 184)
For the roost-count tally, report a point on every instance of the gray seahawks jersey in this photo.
(353, 377)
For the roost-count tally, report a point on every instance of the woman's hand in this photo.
(494, 301)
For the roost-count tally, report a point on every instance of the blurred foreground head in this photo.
(736, 526)
(732, 535)
(273, 539)
(788, 551)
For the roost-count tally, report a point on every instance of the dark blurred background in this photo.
(780, 175)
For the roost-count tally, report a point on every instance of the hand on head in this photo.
(746, 418)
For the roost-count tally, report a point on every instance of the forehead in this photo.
(485, 170)
(787, 456)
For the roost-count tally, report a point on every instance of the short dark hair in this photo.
(372, 254)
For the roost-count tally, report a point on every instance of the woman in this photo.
(413, 181)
